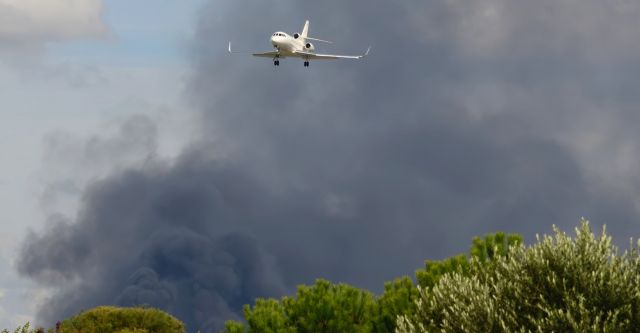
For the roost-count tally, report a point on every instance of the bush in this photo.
(559, 284)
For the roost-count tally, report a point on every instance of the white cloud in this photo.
(23, 21)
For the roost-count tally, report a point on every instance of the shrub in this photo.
(559, 284)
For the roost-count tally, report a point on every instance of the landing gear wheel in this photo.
(276, 62)
(306, 64)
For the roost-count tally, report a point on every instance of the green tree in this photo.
(327, 307)
(234, 327)
(559, 284)
(399, 298)
(268, 316)
(124, 320)
(485, 250)
(323, 307)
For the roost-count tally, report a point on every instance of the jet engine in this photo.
(296, 35)
(309, 47)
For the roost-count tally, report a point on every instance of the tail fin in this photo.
(305, 30)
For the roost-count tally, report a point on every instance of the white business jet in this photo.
(298, 46)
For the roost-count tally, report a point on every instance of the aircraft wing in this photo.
(270, 54)
(319, 56)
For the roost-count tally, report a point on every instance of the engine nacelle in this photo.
(309, 47)
(296, 35)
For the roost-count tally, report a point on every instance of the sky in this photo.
(148, 166)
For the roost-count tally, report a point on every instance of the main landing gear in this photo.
(306, 64)
(276, 62)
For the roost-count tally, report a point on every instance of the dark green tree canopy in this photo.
(323, 307)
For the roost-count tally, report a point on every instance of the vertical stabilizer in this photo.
(305, 30)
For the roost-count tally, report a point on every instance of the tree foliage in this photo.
(559, 284)
(123, 320)
(399, 298)
(323, 307)
(484, 250)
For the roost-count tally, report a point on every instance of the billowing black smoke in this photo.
(466, 118)
(162, 236)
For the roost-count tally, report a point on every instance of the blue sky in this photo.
(144, 32)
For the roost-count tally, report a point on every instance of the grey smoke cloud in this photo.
(467, 118)
(152, 236)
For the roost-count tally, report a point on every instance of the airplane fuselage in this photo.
(298, 46)
(288, 45)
